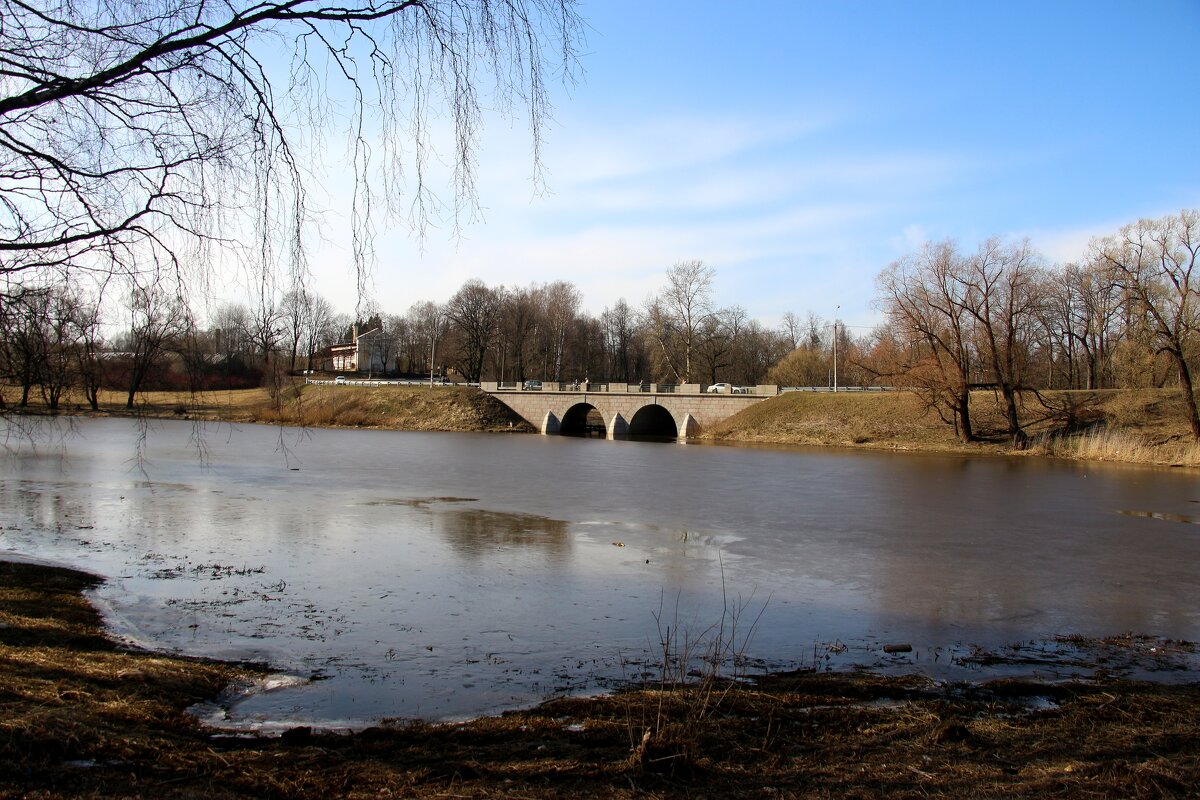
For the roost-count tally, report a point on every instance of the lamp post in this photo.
(835, 338)
(434, 332)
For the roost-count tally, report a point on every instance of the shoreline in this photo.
(1142, 427)
(88, 716)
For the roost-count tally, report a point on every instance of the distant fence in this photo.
(381, 382)
(605, 387)
(571, 386)
(783, 389)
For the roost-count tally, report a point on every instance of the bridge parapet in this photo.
(624, 407)
(584, 387)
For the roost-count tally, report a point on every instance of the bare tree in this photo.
(1081, 312)
(60, 324)
(158, 319)
(676, 315)
(1155, 263)
(265, 328)
(924, 298)
(561, 303)
(90, 351)
(720, 334)
(303, 312)
(139, 136)
(757, 349)
(1001, 291)
(791, 328)
(619, 326)
(427, 323)
(317, 316)
(21, 323)
(474, 310)
(520, 317)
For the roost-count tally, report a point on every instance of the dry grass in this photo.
(415, 408)
(1136, 425)
(1142, 426)
(1105, 444)
(80, 717)
(411, 408)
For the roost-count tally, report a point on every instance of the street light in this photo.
(835, 338)
(437, 323)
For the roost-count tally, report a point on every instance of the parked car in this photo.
(533, 386)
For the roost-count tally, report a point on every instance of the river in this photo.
(407, 575)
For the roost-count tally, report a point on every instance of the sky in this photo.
(798, 148)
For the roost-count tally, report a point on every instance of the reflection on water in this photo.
(477, 532)
(1187, 519)
(442, 575)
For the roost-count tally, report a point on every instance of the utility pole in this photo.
(437, 323)
(835, 338)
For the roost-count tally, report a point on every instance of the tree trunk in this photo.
(1016, 435)
(1189, 395)
(965, 431)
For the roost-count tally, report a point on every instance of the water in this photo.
(446, 575)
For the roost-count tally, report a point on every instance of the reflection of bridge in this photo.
(624, 409)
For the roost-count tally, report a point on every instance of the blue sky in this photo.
(800, 147)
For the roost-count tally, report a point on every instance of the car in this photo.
(340, 379)
(533, 386)
(720, 388)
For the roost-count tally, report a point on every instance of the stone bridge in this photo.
(620, 410)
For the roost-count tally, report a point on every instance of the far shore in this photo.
(1144, 426)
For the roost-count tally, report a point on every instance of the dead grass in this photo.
(1136, 425)
(1105, 444)
(81, 717)
(1142, 426)
(415, 408)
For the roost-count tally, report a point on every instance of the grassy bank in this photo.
(1136, 425)
(407, 408)
(1143, 426)
(82, 717)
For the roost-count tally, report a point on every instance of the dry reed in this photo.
(1105, 444)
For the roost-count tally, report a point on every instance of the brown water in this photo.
(445, 575)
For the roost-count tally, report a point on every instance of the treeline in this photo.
(998, 317)
(61, 336)
(1001, 318)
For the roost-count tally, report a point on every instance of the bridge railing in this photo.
(783, 389)
(765, 390)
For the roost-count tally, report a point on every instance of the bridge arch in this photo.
(583, 419)
(672, 412)
(653, 420)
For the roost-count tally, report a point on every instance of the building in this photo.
(364, 353)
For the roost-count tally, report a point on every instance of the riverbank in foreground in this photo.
(1126, 425)
(84, 717)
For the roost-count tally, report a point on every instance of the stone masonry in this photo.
(691, 411)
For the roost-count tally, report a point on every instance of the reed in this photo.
(1106, 444)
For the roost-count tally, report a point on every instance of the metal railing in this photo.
(606, 387)
(379, 382)
(783, 389)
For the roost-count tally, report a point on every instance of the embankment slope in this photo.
(1143, 425)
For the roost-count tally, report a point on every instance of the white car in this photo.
(720, 388)
(340, 379)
